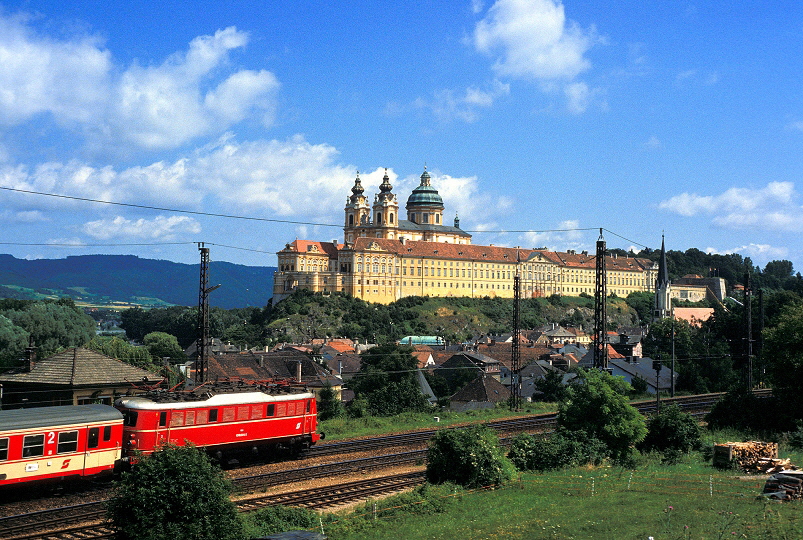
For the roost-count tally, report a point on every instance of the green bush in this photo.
(671, 432)
(562, 449)
(275, 519)
(469, 457)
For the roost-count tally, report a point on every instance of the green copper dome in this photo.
(425, 194)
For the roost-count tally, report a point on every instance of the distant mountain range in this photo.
(116, 280)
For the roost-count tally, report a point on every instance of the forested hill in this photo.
(104, 280)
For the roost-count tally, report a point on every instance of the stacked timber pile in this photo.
(784, 486)
(752, 457)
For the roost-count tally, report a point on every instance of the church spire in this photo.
(663, 271)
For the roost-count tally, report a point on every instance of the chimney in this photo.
(340, 366)
(30, 356)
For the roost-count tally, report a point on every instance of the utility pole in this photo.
(203, 344)
(515, 379)
(672, 375)
(656, 365)
(600, 356)
(748, 307)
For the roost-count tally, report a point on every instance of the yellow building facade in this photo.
(384, 258)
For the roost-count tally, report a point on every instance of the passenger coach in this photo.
(56, 442)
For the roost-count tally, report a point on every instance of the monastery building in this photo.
(384, 258)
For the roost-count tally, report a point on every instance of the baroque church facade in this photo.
(384, 258)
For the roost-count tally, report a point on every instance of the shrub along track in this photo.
(57, 518)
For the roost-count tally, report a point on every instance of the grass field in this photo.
(690, 500)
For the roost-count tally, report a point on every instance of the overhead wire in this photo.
(270, 220)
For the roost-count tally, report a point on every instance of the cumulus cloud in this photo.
(263, 178)
(158, 228)
(533, 39)
(75, 81)
(772, 207)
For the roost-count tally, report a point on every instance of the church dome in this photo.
(425, 194)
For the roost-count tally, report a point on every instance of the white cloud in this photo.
(75, 81)
(772, 207)
(764, 252)
(565, 235)
(533, 39)
(653, 143)
(158, 228)
(67, 78)
(447, 105)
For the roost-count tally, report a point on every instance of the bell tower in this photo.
(358, 213)
(385, 210)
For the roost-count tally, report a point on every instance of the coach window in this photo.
(68, 442)
(92, 440)
(271, 410)
(33, 445)
(3, 449)
(176, 418)
(202, 417)
(213, 415)
(107, 433)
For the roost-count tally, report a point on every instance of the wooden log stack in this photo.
(750, 456)
(784, 486)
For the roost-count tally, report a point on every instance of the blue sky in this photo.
(539, 122)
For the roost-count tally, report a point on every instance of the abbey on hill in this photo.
(384, 258)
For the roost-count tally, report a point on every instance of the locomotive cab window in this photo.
(163, 419)
(92, 439)
(130, 418)
(4, 449)
(68, 442)
(33, 445)
(309, 405)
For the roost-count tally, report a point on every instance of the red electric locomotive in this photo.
(58, 442)
(221, 419)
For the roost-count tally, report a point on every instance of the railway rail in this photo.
(26, 526)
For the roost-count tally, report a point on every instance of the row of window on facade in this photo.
(34, 445)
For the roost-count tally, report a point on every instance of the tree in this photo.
(643, 303)
(470, 457)
(329, 405)
(783, 351)
(163, 345)
(174, 494)
(552, 387)
(53, 325)
(598, 406)
(13, 341)
(387, 381)
(122, 350)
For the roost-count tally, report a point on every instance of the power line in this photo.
(270, 220)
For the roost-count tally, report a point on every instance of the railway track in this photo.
(26, 526)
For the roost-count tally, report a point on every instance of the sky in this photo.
(244, 124)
